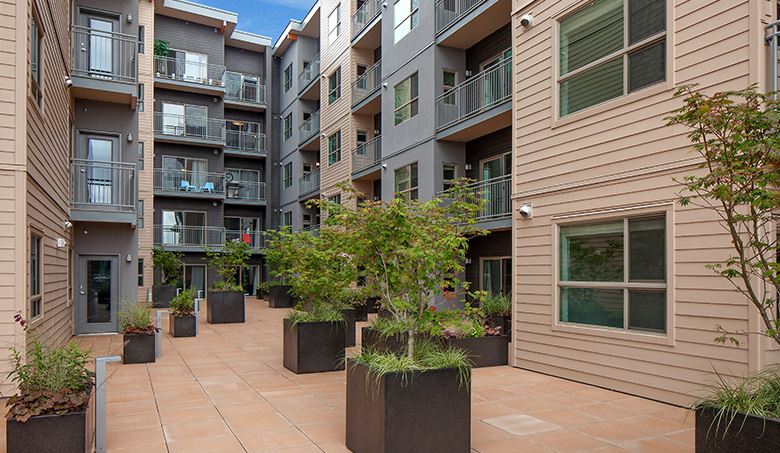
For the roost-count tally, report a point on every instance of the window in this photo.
(334, 24)
(288, 175)
(246, 184)
(244, 229)
(335, 199)
(140, 101)
(288, 126)
(406, 99)
(334, 86)
(406, 17)
(194, 277)
(140, 155)
(306, 168)
(36, 56)
(362, 138)
(287, 219)
(140, 213)
(603, 282)
(140, 272)
(70, 273)
(406, 182)
(602, 57)
(180, 173)
(288, 73)
(306, 219)
(497, 275)
(184, 120)
(334, 148)
(141, 33)
(36, 271)
(449, 174)
(448, 82)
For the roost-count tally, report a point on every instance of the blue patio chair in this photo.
(186, 186)
(207, 187)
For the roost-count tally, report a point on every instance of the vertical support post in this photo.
(100, 400)
(158, 334)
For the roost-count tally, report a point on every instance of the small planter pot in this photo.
(349, 316)
(313, 347)
(757, 434)
(71, 432)
(162, 295)
(138, 348)
(182, 326)
(224, 307)
(280, 297)
(483, 351)
(361, 312)
(505, 322)
(422, 411)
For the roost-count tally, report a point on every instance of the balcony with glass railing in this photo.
(367, 84)
(104, 64)
(309, 129)
(244, 143)
(190, 129)
(244, 91)
(309, 75)
(365, 15)
(366, 155)
(309, 185)
(181, 73)
(245, 191)
(103, 191)
(188, 236)
(255, 239)
(187, 183)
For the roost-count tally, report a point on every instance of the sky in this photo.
(263, 17)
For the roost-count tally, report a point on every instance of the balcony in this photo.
(255, 239)
(364, 33)
(309, 80)
(497, 193)
(104, 65)
(194, 130)
(463, 23)
(185, 236)
(191, 76)
(366, 156)
(245, 192)
(308, 132)
(309, 185)
(103, 191)
(313, 229)
(189, 184)
(245, 144)
(478, 106)
(365, 91)
(244, 92)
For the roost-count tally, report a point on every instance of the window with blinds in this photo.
(608, 49)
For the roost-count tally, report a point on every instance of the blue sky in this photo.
(264, 17)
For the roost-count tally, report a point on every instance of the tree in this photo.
(227, 261)
(736, 132)
(168, 263)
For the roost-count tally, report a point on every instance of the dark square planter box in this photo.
(162, 295)
(505, 322)
(361, 312)
(372, 304)
(396, 343)
(280, 297)
(484, 351)
(223, 307)
(313, 347)
(182, 326)
(138, 348)
(72, 432)
(422, 412)
(349, 336)
(757, 435)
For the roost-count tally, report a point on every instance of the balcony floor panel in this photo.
(189, 87)
(246, 106)
(370, 105)
(105, 90)
(184, 194)
(106, 215)
(478, 125)
(197, 141)
(311, 92)
(371, 35)
(476, 25)
(237, 201)
(250, 154)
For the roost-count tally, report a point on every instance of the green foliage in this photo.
(387, 327)
(227, 261)
(168, 263)
(161, 48)
(136, 318)
(320, 313)
(466, 323)
(184, 303)
(736, 134)
(496, 303)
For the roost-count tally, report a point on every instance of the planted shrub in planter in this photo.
(314, 340)
(182, 320)
(53, 409)
(135, 322)
(225, 302)
(169, 264)
(466, 329)
(497, 307)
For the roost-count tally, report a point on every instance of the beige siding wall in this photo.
(613, 160)
(146, 135)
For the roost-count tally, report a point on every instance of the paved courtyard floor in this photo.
(227, 391)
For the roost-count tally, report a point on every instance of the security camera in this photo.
(68, 225)
(68, 82)
(525, 211)
(527, 20)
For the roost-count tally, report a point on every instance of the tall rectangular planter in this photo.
(424, 411)
(361, 312)
(138, 348)
(373, 339)
(162, 295)
(182, 326)
(280, 297)
(313, 347)
(505, 322)
(757, 435)
(224, 307)
(484, 351)
(349, 337)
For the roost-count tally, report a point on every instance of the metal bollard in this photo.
(158, 334)
(100, 400)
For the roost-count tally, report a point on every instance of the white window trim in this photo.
(337, 28)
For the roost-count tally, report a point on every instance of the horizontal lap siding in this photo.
(619, 155)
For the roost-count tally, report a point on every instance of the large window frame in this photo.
(407, 186)
(288, 75)
(334, 86)
(406, 109)
(35, 286)
(36, 57)
(288, 175)
(288, 126)
(334, 24)
(406, 17)
(334, 148)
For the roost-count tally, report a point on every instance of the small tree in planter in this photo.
(135, 322)
(182, 320)
(225, 302)
(169, 264)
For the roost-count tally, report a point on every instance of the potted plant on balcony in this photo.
(182, 320)
(169, 264)
(135, 323)
(225, 302)
(409, 252)
(53, 408)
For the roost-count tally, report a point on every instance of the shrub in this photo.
(227, 261)
(184, 303)
(136, 318)
(496, 303)
(168, 263)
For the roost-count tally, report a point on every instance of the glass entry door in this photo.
(100, 152)
(99, 49)
(497, 275)
(98, 293)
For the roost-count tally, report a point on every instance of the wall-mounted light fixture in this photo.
(129, 138)
(129, 18)
(129, 258)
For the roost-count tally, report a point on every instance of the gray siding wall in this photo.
(192, 152)
(103, 117)
(245, 61)
(192, 37)
(290, 57)
(490, 145)
(274, 141)
(120, 7)
(215, 109)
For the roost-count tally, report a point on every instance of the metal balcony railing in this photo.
(245, 141)
(189, 236)
(367, 154)
(313, 229)
(189, 126)
(255, 239)
(364, 15)
(103, 186)
(183, 70)
(103, 54)
(771, 38)
(478, 94)
(497, 195)
(186, 181)
(309, 183)
(246, 190)
(309, 128)
(450, 11)
(244, 88)
(309, 73)
(367, 83)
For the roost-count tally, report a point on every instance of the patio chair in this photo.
(207, 187)
(186, 186)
